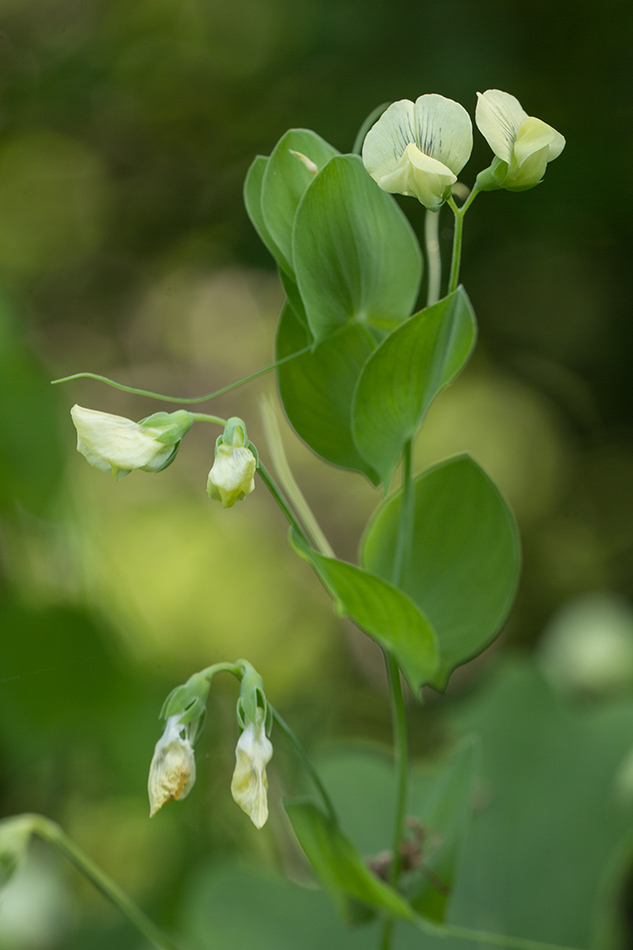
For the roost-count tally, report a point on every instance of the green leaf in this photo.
(384, 612)
(356, 258)
(442, 801)
(464, 562)
(338, 865)
(284, 182)
(253, 201)
(403, 376)
(316, 389)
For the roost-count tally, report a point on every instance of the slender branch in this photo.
(273, 488)
(203, 417)
(181, 400)
(52, 833)
(398, 712)
(457, 236)
(307, 763)
(434, 259)
(287, 479)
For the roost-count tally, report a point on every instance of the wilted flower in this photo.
(233, 473)
(419, 148)
(116, 444)
(523, 145)
(173, 769)
(249, 784)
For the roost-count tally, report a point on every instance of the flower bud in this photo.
(249, 784)
(523, 145)
(173, 769)
(419, 148)
(232, 475)
(116, 444)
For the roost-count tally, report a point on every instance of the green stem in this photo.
(181, 400)
(398, 712)
(52, 833)
(434, 260)
(291, 488)
(272, 487)
(307, 763)
(457, 237)
(203, 417)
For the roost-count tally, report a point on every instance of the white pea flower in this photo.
(523, 145)
(419, 148)
(232, 476)
(173, 769)
(116, 444)
(249, 784)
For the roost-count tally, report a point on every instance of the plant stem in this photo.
(52, 833)
(203, 417)
(398, 712)
(181, 400)
(434, 260)
(307, 763)
(272, 487)
(284, 472)
(497, 940)
(457, 237)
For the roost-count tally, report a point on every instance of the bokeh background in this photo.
(126, 130)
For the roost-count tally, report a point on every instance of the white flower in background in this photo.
(522, 144)
(419, 148)
(232, 476)
(173, 769)
(249, 784)
(116, 444)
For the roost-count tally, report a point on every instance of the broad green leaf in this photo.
(316, 389)
(383, 611)
(284, 182)
(403, 376)
(442, 801)
(356, 258)
(464, 562)
(253, 201)
(338, 865)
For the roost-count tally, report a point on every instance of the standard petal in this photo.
(119, 441)
(443, 131)
(386, 141)
(499, 116)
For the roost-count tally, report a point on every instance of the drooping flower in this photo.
(116, 444)
(419, 148)
(232, 475)
(523, 145)
(172, 772)
(249, 784)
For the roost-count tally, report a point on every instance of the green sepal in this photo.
(339, 867)
(403, 376)
(174, 425)
(492, 178)
(384, 612)
(252, 697)
(190, 699)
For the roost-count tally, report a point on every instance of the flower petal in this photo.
(109, 441)
(499, 116)
(386, 141)
(443, 131)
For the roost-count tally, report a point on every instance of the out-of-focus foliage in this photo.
(126, 130)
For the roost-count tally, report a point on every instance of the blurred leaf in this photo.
(338, 865)
(464, 560)
(404, 375)
(316, 389)
(443, 803)
(285, 179)
(355, 255)
(384, 612)
(234, 908)
(253, 203)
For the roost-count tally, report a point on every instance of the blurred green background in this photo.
(126, 130)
